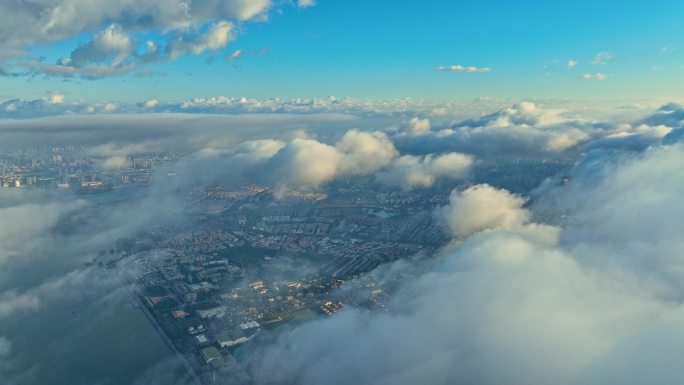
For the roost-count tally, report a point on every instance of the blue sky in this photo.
(391, 49)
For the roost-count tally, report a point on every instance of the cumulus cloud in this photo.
(571, 64)
(513, 304)
(365, 152)
(110, 45)
(182, 28)
(57, 98)
(217, 36)
(521, 114)
(308, 162)
(524, 128)
(411, 171)
(151, 103)
(460, 68)
(111, 51)
(483, 207)
(46, 22)
(564, 140)
(419, 126)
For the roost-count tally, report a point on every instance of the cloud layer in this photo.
(595, 301)
(578, 282)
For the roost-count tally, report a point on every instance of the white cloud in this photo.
(109, 52)
(641, 132)
(306, 3)
(668, 49)
(587, 302)
(460, 68)
(572, 64)
(109, 107)
(64, 68)
(411, 171)
(419, 126)
(517, 304)
(112, 50)
(525, 127)
(524, 114)
(565, 139)
(111, 45)
(602, 57)
(365, 152)
(257, 150)
(151, 103)
(217, 36)
(485, 126)
(595, 76)
(235, 55)
(308, 162)
(483, 207)
(237, 105)
(57, 98)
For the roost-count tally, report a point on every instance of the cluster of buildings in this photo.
(226, 278)
(246, 261)
(73, 167)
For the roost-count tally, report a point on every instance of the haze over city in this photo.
(322, 192)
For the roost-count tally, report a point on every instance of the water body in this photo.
(120, 347)
(86, 340)
(81, 326)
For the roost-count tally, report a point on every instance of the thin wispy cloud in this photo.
(234, 55)
(306, 3)
(595, 76)
(460, 68)
(668, 49)
(602, 58)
